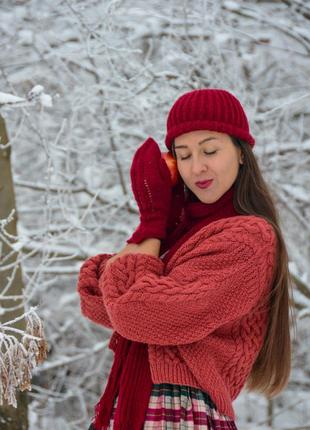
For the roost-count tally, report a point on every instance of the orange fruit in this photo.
(172, 166)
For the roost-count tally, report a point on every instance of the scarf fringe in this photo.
(104, 408)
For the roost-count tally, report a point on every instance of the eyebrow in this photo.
(199, 143)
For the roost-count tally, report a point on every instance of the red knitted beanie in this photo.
(208, 109)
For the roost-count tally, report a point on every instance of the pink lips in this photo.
(204, 184)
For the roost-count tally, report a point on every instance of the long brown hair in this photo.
(271, 370)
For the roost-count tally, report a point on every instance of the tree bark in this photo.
(10, 418)
(270, 413)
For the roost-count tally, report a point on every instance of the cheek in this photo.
(229, 168)
(182, 170)
(179, 167)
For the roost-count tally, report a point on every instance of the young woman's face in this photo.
(204, 155)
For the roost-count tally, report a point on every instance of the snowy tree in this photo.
(22, 343)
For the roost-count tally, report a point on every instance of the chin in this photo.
(207, 198)
(208, 201)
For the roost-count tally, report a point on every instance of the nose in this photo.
(199, 165)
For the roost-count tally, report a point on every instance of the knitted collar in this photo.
(195, 216)
(195, 209)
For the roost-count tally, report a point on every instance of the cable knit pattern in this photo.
(196, 313)
(88, 288)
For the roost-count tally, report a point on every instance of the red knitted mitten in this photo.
(152, 188)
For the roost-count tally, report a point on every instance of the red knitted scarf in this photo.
(130, 376)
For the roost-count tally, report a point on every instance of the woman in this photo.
(199, 297)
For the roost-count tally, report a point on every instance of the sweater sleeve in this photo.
(91, 302)
(217, 277)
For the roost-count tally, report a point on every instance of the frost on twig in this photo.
(36, 94)
(19, 358)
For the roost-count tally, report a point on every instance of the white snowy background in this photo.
(83, 83)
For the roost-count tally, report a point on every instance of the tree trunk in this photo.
(10, 418)
(270, 412)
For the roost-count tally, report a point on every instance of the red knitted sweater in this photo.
(196, 313)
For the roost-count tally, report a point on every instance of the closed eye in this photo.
(205, 152)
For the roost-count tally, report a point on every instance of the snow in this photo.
(231, 5)
(46, 100)
(298, 192)
(25, 37)
(6, 98)
(35, 93)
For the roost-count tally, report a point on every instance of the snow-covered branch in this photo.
(36, 94)
(19, 358)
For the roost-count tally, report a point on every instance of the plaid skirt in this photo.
(179, 407)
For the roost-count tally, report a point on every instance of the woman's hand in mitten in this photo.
(152, 187)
